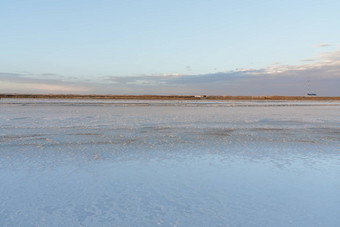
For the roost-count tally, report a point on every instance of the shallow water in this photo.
(172, 163)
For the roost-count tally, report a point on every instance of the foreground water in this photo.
(169, 163)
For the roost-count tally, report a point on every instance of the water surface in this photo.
(172, 163)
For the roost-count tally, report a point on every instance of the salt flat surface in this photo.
(169, 163)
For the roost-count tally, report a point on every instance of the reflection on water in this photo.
(169, 165)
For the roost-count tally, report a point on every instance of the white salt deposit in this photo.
(169, 163)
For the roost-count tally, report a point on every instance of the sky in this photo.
(170, 47)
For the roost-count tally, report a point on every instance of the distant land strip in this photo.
(164, 97)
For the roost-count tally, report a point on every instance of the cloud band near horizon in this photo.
(323, 74)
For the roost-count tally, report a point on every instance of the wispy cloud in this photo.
(307, 60)
(24, 83)
(323, 71)
(322, 45)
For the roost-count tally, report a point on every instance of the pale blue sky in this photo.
(95, 39)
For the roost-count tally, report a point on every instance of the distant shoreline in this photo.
(164, 97)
